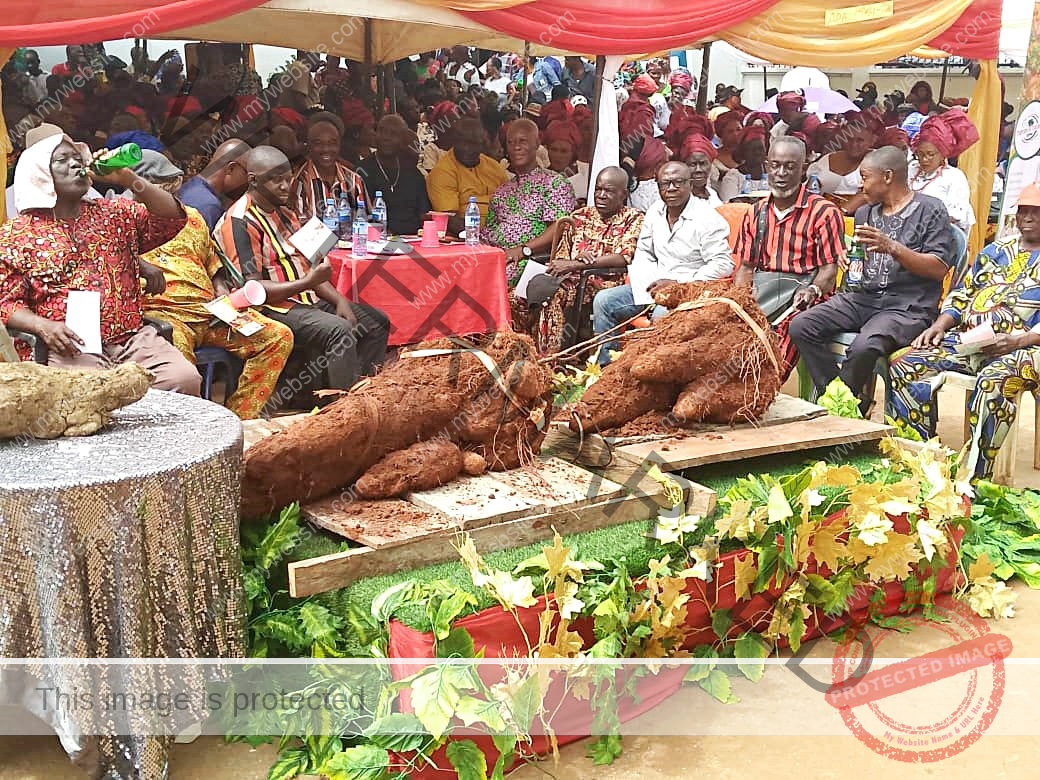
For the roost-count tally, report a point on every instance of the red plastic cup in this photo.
(429, 234)
(252, 293)
(440, 219)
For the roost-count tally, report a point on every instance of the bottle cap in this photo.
(379, 193)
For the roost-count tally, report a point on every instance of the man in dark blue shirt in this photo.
(222, 181)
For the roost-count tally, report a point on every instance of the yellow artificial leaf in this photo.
(930, 537)
(555, 556)
(657, 567)
(568, 643)
(802, 538)
(834, 476)
(510, 592)
(468, 552)
(672, 490)
(745, 570)
(992, 598)
(735, 522)
(892, 560)
(825, 546)
(778, 507)
(983, 567)
(873, 529)
(858, 551)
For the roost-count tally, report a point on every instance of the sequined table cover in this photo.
(124, 544)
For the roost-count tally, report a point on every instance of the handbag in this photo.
(774, 290)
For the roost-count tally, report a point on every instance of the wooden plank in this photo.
(474, 501)
(381, 523)
(338, 570)
(740, 443)
(255, 430)
(560, 483)
(784, 409)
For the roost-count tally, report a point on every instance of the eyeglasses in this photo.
(778, 167)
(671, 184)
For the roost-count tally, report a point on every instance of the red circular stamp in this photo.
(926, 708)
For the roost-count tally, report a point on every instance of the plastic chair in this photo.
(208, 360)
(38, 347)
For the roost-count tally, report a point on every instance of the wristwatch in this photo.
(816, 290)
(527, 251)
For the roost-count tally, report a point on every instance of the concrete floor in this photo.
(780, 729)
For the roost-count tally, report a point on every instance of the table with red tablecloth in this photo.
(426, 292)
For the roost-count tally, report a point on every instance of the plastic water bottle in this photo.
(343, 217)
(360, 231)
(379, 215)
(472, 221)
(329, 217)
(854, 276)
(746, 188)
(814, 185)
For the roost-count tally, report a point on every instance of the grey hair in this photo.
(790, 140)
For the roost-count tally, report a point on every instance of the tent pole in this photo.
(702, 91)
(390, 79)
(597, 94)
(765, 83)
(942, 84)
(523, 85)
(367, 86)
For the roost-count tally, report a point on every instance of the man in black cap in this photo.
(868, 95)
(729, 97)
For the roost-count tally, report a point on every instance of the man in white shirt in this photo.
(683, 239)
(37, 78)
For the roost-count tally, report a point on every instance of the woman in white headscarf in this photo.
(61, 242)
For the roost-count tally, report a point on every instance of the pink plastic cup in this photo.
(429, 234)
(440, 219)
(252, 293)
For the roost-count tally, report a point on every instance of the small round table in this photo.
(123, 544)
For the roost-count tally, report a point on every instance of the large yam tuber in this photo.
(451, 396)
(425, 465)
(704, 364)
(47, 402)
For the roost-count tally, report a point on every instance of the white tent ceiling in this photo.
(398, 28)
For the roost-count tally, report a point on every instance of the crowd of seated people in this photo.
(233, 168)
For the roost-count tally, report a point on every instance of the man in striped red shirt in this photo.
(346, 340)
(789, 244)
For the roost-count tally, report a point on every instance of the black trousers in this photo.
(331, 345)
(881, 329)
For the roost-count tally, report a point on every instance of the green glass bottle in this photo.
(125, 156)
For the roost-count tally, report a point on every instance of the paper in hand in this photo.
(641, 274)
(313, 240)
(83, 317)
(531, 270)
(972, 341)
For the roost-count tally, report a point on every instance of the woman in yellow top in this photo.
(194, 276)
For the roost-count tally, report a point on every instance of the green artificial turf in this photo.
(627, 541)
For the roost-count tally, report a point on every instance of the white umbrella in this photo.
(817, 101)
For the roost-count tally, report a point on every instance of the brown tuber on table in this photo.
(448, 398)
(425, 465)
(47, 402)
(703, 364)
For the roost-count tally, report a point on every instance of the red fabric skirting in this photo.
(430, 292)
(501, 636)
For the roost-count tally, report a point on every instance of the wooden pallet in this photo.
(499, 511)
(740, 443)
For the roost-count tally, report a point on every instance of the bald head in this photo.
(225, 154)
(522, 127)
(612, 175)
(270, 176)
(888, 158)
(265, 158)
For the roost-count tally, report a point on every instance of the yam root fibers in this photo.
(417, 424)
(47, 402)
(702, 364)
